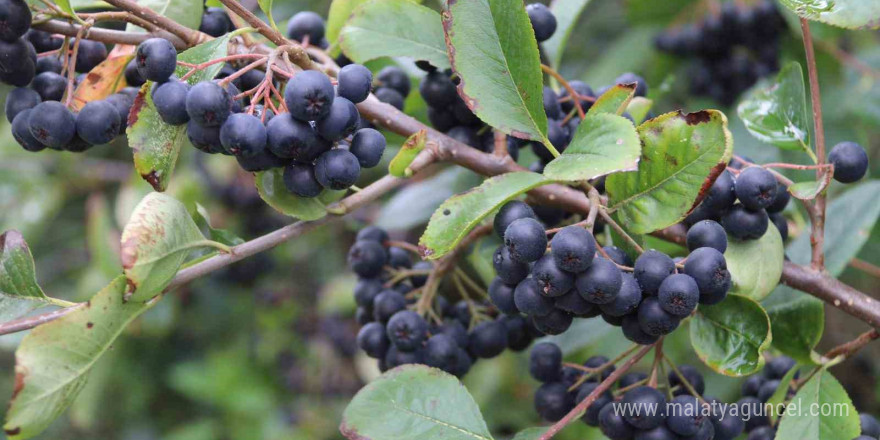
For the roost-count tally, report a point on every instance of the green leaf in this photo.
(156, 144)
(19, 291)
(779, 396)
(53, 361)
(270, 185)
(203, 221)
(414, 402)
(399, 166)
(731, 336)
(155, 242)
(681, 155)
(566, 13)
(65, 6)
(848, 224)
(413, 204)
(797, 320)
(340, 11)
(639, 108)
(530, 433)
(614, 101)
(819, 396)
(755, 265)
(808, 190)
(776, 111)
(185, 12)
(459, 214)
(603, 144)
(494, 52)
(850, 14)
(393, 28)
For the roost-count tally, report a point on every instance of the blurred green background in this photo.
(266, 348)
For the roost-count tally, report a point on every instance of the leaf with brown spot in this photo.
(102, 81)
(615, 100)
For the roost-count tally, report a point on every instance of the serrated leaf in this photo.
(779, 396)
(185, 12)
(393, 28)
(567, 13)
(815, 421)
(775, 111)
(850, 14)
(797, 321)
(494, 52)
(102, 81)
(731, 336)
(808, 190)
(399, 166)
(270, 185)
(603, 144)
(681, 156)
(53, 361)
(755, 265)
(849, 220)
(414, 402)
(459, 214)
(156, 144)
(19, 291)
(614, 100)
(155, 242)
(638, 108)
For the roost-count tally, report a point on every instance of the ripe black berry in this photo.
(309, 95)
(208, 104)
(341, 121)
(528, 299)
(290, 138)
(543, 21)
(169, 98)
(582, 89)
(573, 248)
(22, 133)
(488, 339)
(300, 180)
(573, 303)
(551, 104)
(554, 323)
(306, 24)
(50, 86)
(512, 210)
(591, 416)
(156, 59)
(391, 97)
(49, 64)
(651, 268)
(122, 103)
(437, 89)
(395, 78)
(756, 188)
(502, 296)
(552, 280)
(372, 233)
(365, 292)
(206, 139)
(15, 19)
(525, 239)
(745, 224)
(545, 362)
(407, 330)
(243, 135)
(627, 299)
(678, 295)
(722, 193)
(43, 41)
(693, 377)
(708, 268)
(707, 233)
(90, 54)
(629, 78)
(600, 283)
(373, 340)
(354, 82)
(618, 256)
(366, 258)
(767, 389)
(613, 425)
(337, 169)
(519, 335)
(654, 320)
(97, 122)
(685, 417)
(215, 22)
(368, 145)
(781, 200)
(850, 162)
(18, 100)
(387, 303)
(264, 160)
(632, 330)
(441, 352)
(778, 367)
(553, 401)
(52, 124)
(396, 358)
(639, 399)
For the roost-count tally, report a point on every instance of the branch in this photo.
(850, 348)
(298, 54)
(109, 36)
(189, 36)
(832, 291)
(817, 234)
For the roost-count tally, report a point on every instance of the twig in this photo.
(817, 234)
(617, 228)
(865, 267)
(300, 57)
(108, 35)
(189, 36)
(577, 104)
(850, 348)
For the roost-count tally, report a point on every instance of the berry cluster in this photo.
(732, 50)
(647, 299)
(457, 335)
(634, 409)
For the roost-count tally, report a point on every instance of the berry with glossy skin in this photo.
(767, 389)
(582, 89)
(618, 256)
(543, 21)
(208, 104)
(778, 367)
(573, 248)
(49, 64)
(708, 268)
(50, 86)
(870, 425)
(600, 283)
(654, 320)
(18, 100)
(508, 270)
(651, 268)
(306, 24)
(573, 303)
(692, 375)
(243, 135)
(366, 258)
(512, 210)
(22, 134)
(751, 385)
(722, 193)
(387, 303)
(850, 162)
(519, 335)
(206, 139)
(365, 292)
(97, 122)
(156, 59)
(90, 54)
(528, 299)
(502, 296)
(391, 97)
(372, 233)
(441, 352)
(395, 78)
(169, 98)
(553, 401)
(15, 19)
(399, 258)
(488, 339)
(781, 200)
(337, 169)
(545, 362)
(290, 138)
(728, 427)
(123, 104)
(627, 300)
(437, 89)
(678, 295)
(43, 41)
(300, 179)
(629, 78)
(554, 323)
(52, 124)
(591, 415)
(753, 407)
(632, 330)
(526, 240)
(707, 233)
(551, 104)
(756, 188)
(373, 340)
(341, 121)
(745, 224)
(396, 358)
(407, 330)
(552, 280)
(762, 433)
(309, 95)
(613, 425)
(262, 161)
(685, 417)
(640, 398)
(368, 145)
(132, 76)
(354, 82)
(215, 22)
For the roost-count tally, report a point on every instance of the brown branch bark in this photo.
(108, 36)
(817, 229)
(852, 347)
